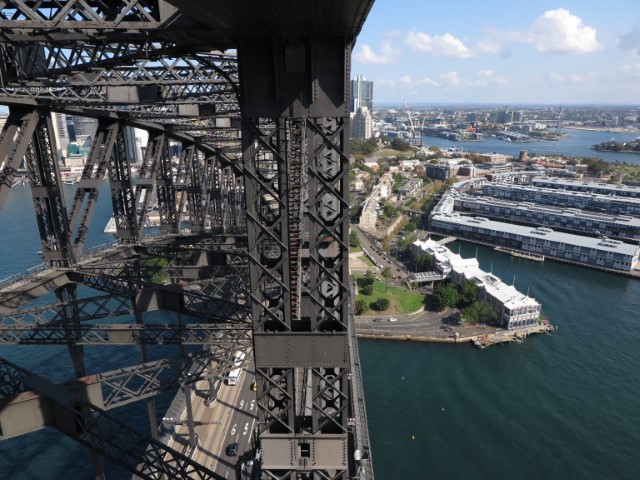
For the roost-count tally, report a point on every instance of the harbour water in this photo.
(563, 406)
(47, 454)
(575, 143)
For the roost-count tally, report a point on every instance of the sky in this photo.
(498, 51)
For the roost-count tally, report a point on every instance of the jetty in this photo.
(507, 336)
(521, 254)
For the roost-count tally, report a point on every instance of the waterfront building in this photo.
(361, 94)
(514, 177)
(588, 187)
(588, 251)
(563, 198)
(566, 219)
(516, 310)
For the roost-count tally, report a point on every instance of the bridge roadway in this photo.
(230, 418)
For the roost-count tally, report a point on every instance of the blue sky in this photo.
(498, 51)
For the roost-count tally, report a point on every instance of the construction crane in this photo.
(415, 140)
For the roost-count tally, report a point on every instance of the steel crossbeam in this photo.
(93, 308)
(94, 428)
(111, 334)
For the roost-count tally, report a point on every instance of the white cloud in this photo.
(440, 45)
(573, 78)
(631, 41)
(628, 70)
(558, 31)
(450, 79)
(387, 56)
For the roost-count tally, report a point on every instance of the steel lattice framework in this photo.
(255, 95)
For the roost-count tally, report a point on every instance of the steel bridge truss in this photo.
(264, 154)
(296, 172)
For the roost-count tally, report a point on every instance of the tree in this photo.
(380, 304)
(445, 295)
(367, 290)
(386, 273)
(468, 293)
(354, 239)
(361, 306)
(480, 312)
(424, 261)
(386, 243)
(399, 144)
(365, 281)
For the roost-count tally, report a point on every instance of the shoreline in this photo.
(480, 341)
(601, 129)
(436, 327)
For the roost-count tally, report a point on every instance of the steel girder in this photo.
(103, 433)
(90, 182)
(123, 197)
(48, 198)
(14, 139)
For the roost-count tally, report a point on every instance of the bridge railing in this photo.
(12, 280)
(360, 410)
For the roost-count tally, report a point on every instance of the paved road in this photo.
(397, 268)
(230, 418)
(424, 323)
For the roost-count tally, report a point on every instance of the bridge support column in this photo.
(48, 197)
(295, 136)
(122, 194)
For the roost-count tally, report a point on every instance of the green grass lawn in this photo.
(355, 250)
(402, 301)
(388, 152)
(366, 260)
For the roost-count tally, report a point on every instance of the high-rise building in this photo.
(361, 124)
(361, 94)
(61, 134)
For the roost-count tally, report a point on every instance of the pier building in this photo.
(564, 198)
(597, 252)
(566, 219)
(588, 187)
(516, 310)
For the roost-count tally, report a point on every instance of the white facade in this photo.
(516, 310)
(362, 124)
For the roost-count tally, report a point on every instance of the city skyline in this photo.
(544, 52)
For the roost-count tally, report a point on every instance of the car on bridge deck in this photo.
(232, 449)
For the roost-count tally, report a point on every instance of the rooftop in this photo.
(543, 233)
